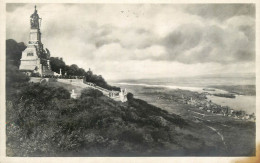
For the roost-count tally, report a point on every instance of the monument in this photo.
(34, 58)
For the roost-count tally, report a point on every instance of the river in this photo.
(241, 102)
(246, 103)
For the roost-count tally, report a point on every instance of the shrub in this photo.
(35, 75)
(14, 76)
(132, 137)
(130, 96)
(91, 92)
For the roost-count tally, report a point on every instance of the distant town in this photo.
(200, 101)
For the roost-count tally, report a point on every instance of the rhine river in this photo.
(241, 102)
(246, 103)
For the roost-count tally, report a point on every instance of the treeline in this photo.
(73, 70)
(14, 54)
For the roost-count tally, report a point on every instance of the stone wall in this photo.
(67, 81)
(70, 81)
(35, 79)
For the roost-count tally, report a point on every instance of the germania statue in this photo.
(35, 20)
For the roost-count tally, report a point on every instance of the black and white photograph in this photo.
(130, 80)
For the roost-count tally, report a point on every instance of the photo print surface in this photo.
(150, 80)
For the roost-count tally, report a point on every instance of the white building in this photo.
(122, 95)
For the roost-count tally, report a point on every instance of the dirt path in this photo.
(213, 129)
(204, 115)
(221, 136)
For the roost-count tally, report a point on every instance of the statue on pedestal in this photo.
(35, 20)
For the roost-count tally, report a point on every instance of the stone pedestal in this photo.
(30, 61)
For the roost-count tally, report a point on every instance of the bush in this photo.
(14, 76)
(132, 137)
(129, 96)
(91, 92)
(35, 75)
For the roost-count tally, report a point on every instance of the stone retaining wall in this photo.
(70, 81)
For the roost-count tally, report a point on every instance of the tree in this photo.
(14, 52)
(57, 64)
(130, 96)
(72, 70)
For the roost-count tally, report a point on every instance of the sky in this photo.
(135, 41)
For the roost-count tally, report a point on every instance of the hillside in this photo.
(42, 120)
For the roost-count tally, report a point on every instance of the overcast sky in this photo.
(144, 41)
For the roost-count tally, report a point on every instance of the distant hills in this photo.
(223, 75)
(201, 81)
(229, 75)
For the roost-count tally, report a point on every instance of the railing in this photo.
(92, 85)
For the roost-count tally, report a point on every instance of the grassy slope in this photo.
(68, 87)
(43, 121)
(46, 122)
